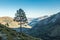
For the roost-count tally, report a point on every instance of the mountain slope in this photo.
(9, 34)
(11, 23)
(48, 29)
(36, 20)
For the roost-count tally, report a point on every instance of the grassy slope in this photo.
(13, 35)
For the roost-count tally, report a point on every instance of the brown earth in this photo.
(12, 24)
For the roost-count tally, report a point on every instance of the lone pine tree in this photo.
(20, 16)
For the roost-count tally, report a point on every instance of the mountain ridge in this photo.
(12, 24)
(48, 28)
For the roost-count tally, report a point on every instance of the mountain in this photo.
(30, 19)
(12, 24)
(9, 34)
(47, 29)
(36, 20)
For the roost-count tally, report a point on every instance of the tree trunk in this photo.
(20, 28)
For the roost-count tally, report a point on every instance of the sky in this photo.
(32, 8)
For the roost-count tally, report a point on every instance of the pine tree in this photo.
(20, 16)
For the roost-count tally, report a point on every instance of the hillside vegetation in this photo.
(9, 34)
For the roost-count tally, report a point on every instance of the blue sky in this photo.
(32, 8)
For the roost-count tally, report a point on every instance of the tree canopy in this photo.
(20, 16)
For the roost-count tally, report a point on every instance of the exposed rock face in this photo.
(48, 28)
